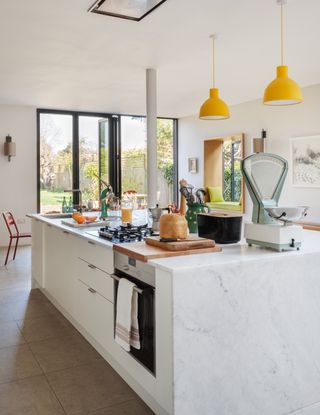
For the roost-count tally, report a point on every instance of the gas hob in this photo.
(124, 233)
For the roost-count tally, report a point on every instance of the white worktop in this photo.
(230, 253)
(240, 252)
(81, 232)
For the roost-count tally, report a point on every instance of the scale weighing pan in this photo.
(288, 215)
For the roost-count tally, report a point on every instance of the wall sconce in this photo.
(9, 147)
(258, 143)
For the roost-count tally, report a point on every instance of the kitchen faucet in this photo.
(80, 197)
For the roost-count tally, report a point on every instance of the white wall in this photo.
(18, 187)
(281, 123)
(18, 184)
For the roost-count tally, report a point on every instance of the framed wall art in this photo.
(305, 155)
(193, 165)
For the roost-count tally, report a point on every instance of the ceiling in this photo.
(56, 55)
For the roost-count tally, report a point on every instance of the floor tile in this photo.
(24, 310)
(31, 396)
(5, 313)
(14, 282)
(17, 362)
(63, 353)
(17, 274)
(134, 407)
(19, 295)
(47, 327)
(10, 335)
(89, 387)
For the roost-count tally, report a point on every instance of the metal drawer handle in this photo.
(92, 290)
(66, 232)
(50, 226)
(92, 266)
(91, 243)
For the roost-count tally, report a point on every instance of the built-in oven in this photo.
(143, 276)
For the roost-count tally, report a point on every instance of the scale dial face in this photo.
(264, 172)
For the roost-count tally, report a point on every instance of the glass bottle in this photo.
(70, 205)
(64, 205)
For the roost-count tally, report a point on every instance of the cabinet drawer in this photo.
(95, 314)
(101, 257)
(94, 278)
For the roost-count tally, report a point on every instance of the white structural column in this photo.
(151, 75)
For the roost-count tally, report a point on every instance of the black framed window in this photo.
(76, 148)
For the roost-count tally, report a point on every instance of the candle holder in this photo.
(9, 147)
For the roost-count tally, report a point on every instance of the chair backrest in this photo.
(10, 223)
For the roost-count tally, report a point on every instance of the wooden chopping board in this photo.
(182, 244)
(143, 252)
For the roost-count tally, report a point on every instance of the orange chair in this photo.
(13, 233)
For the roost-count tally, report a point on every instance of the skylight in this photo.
(126, 9)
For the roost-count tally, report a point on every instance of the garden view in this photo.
(56, 157)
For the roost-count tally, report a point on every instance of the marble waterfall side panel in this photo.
(247, 337)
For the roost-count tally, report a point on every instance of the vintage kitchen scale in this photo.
(272, 226)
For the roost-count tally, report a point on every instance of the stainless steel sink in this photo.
(57, 215)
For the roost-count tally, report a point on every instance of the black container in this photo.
(222, 228)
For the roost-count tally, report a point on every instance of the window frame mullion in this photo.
(75, 157)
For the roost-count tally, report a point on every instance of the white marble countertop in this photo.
(236, 253)
(81, 232)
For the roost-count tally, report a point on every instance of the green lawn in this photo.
(52, 198)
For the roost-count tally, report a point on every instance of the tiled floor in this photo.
(46, 366)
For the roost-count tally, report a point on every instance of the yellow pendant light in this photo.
(282, 90)
(214, 108)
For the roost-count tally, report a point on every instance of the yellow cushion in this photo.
(224, 205)
(215, 194)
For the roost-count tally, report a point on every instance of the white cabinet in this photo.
(37, 253)
(94, 293)
(93, 253)
(76, 273)
(99, 280)
(81, 286)
(95, 313)
(60, 262)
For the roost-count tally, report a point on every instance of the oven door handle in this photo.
(116, 278)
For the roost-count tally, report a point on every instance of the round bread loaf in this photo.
(173, 225)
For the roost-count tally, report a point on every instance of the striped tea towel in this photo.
(127, 326)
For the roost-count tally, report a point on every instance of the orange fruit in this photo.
(75, 215)
(80, 219)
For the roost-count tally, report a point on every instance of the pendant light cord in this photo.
(213, 37)
(282, 35)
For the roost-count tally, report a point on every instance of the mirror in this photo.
(222, 173)
(264, 172)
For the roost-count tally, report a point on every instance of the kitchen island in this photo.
(237, 332)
